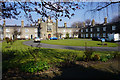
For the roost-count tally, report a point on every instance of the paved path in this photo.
(29, 43)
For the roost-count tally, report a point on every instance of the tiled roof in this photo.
(19, 26)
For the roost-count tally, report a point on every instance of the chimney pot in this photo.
(93, 22)
(105, 20)
(65, 24)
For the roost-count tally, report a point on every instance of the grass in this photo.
(19, 54)
(79, 42)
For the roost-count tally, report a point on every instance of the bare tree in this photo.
(16, 32)
(77, 24)
(44, 8)
(116, 19)
(88, 21)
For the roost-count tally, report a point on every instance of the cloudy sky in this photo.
(80, 15)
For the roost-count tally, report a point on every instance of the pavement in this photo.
(32, 43)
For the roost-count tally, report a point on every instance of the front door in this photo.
(31, 36)
(49, 35)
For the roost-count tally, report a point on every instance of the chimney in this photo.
(30, 24)
(83, 24)
(56, 25)
(105, 20)
(93, 22)
(4, 23)
(22, 23)
(77, 25)
(65, 25)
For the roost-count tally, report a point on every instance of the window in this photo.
(98, 29)
(64, 35)
(26, 30)
(64, 30)
(94, 35)
(81, 35)
(70, 30)
(18, 36)
(35, 30)
(18, 29)
(104, 28)
(81, 30)
(70, 35)
(86, 35)
(0, 29)
(113, 27)
(91, 29)
(7, 30)
(98, 34)
(26, 36)
(35, 35)
(91, 35)
(8, 35)
(76, 30)
(104, 34)
(86, 30)
(49, 28)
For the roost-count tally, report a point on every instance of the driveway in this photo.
(29, 43)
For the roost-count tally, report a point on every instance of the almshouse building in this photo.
(99, 30)
(44, 30)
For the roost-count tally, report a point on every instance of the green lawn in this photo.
(79, 42)
(19, 54)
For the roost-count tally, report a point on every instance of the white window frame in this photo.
(26, 30)
(91, 29)
(113, 27)
(81, 30)
(7, 30)
(86, 30)
(98, 29)
(35, 30)
(27, 36)
(104, 34)
(104, 28)
(86, 35)
(91, 35)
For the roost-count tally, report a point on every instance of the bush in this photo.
(96, 57)
(88, 53)
(34, 67)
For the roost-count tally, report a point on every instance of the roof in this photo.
(19, 26)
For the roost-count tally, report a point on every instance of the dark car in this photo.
(96, 38)
(53, 38)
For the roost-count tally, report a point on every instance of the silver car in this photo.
(37, 39)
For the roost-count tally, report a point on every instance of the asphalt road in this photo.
(31, 43)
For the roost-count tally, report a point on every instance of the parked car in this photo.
(37, 39)
(96, 38)
(53, 38)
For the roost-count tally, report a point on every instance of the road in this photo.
(29, 43)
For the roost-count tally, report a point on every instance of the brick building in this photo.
(99, 30)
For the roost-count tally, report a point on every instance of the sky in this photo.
(80, 15)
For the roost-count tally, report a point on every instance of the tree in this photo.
(16, 33)
(116, 19)
(45, 9)
(58, 34)
(88, 21)
(67, 35)
(77, 24)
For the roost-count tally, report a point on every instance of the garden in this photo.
(26, 62)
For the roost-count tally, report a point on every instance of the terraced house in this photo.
(44, 30)
(99, 30)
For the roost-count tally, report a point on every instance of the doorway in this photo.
(31, 36)
(49, 35)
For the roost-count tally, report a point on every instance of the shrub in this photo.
(96, 57)
(103, 58)
(88, 53)
(34, 66)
